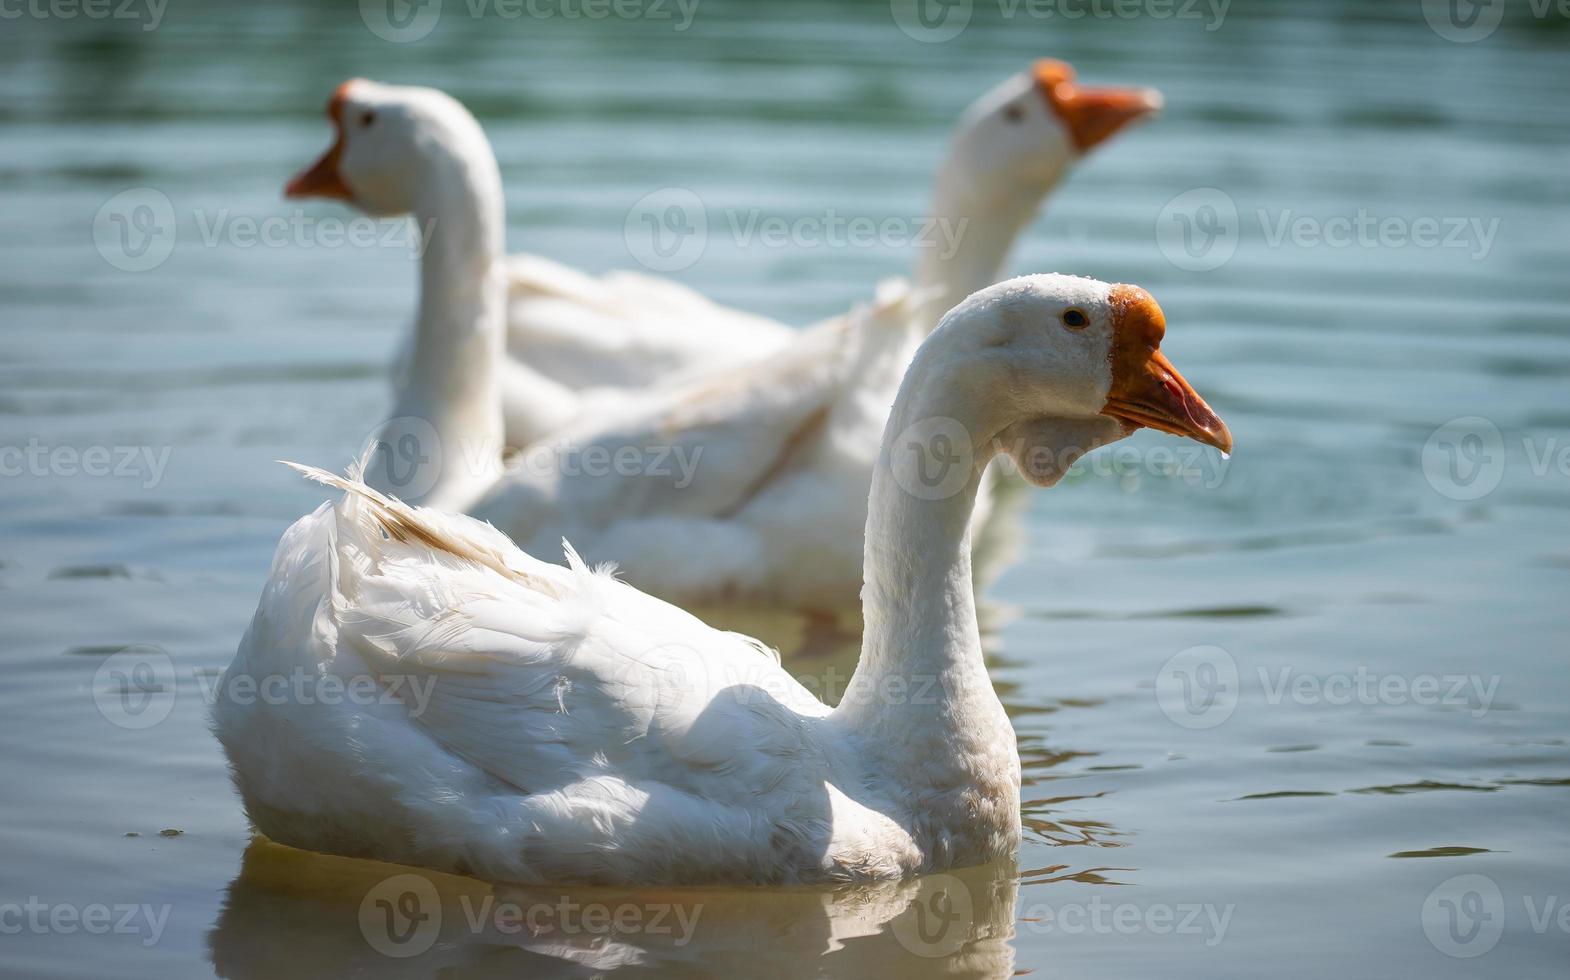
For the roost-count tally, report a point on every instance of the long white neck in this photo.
(921, 702)
(452, 381)
(982, 221)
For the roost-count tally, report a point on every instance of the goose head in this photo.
(1032, 127)
(397, 149)
(1049, 367)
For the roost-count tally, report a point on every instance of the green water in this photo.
(1388, 583)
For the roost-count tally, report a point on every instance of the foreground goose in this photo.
(574, 341)
(512, 719)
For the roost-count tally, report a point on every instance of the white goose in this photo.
(574, 340)
(449, 382)
(1010, 148)
(749, 485)
(529, 722)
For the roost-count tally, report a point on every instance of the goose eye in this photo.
(367, 117)
(1075, 319)
(1014, 113)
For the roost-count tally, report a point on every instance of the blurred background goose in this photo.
(748, 485)
(574, 342)
(417, 151)
(552, 724)
(1010, 148)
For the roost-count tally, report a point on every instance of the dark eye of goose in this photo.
(1075, 319)
(367, 117)
(1014, 113)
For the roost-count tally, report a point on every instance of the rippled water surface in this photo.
(1356, 765)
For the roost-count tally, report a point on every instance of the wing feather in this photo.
(543, 676)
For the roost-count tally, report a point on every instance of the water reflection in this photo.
(347, 917)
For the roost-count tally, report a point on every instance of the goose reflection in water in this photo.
(349, 917)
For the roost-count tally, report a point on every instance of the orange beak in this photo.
(1092, 115)
(322, 179)
(1146, 389)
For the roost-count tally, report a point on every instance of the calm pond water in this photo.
(1303, 711)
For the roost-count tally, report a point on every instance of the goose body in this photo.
(574, 344)
(623, 329)
(740, 483)
(748, 487)
(525, 721)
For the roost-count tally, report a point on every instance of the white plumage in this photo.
(533, 722)
(561, 345)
